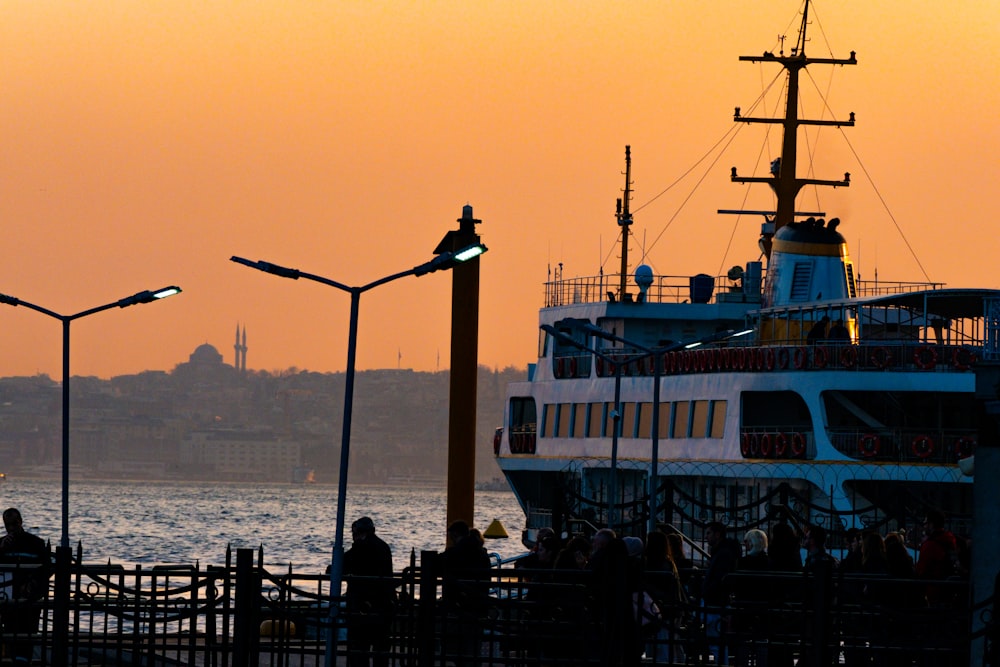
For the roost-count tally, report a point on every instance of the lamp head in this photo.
(450, 259)
(268, 267)
(9, 300)
(147, 296)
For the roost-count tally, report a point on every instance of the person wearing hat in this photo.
(370, 596)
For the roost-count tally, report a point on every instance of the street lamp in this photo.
(146, 296)
(442, 262)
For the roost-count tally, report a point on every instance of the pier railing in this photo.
(242, 614)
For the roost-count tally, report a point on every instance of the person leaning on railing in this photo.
(30, 564)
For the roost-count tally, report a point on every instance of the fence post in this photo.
(60, 611)
(246, 625)
(426, 608)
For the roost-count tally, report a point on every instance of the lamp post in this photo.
(146, 296)
(444, 261)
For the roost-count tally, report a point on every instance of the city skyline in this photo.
(147, 142)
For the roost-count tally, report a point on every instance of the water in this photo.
(175, 522)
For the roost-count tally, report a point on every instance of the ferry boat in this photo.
(787, 386)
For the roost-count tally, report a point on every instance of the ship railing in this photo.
(883, 288)
(936, 446)
(665, 289)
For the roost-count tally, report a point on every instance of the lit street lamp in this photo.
(442, 262)
(146, 296)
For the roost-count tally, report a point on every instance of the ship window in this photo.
(549, 423)
(645, 429)
(680, 425)
(595, 419)
(609, 412)
(664, 420)
(628, 420)
(718, 420)
(523, 416)
(699, 419)
(579, 420)
(565, 419)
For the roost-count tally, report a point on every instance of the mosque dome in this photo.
(205, 355)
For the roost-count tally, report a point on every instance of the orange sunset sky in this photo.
(144, 142)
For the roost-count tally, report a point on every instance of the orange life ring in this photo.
(922, 446)
(925, 358)
(765, 445)
(964, 448)
(599, 363)
(881, 357)
(709, 361)
(725, 354)
(572, 367)
(798, 444)
(745, 445)
(783, 357)
(769, 359)
(820, 357)
(754, 446)
(717, 358)
(869, 445)
(497, 439)
(741, 358)
(799, 358)
(848, 356)
(780, 445)
(963, 359)
(561, 367)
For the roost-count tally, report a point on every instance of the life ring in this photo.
(571, 366)
(964, 448)
(798, 445)
(726, 356)
(765, 445)
(925, 358)
(783, 357)
(741, 358)
(820, 357)
(686, 361)
(717, 358)
(599, 363)
(769, 359)
(561, 367)
(869, 445)
(497, 440)
(881, 357)
(780, 445)
(848, 356)
(745, 445)
(709, 361)
(963, 359)
(799, 358)
(922, 446)
(754, 446)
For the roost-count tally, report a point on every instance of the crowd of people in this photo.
(650, 596)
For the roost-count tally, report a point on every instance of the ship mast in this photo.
(783, 179)
(624, 217)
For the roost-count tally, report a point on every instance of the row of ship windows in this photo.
(678, 419)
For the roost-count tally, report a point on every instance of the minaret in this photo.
(243, 350)
(240, 360)
(236, 348)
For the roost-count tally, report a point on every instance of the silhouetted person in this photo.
(464, 590)
(839, 333)
(818, 331)
(28, 583)
(370, 596)
(937, 558)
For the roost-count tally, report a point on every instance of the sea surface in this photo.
(147, 523)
